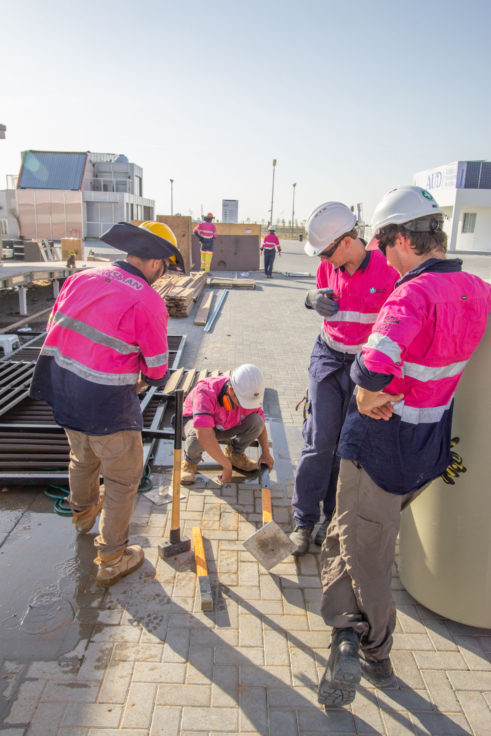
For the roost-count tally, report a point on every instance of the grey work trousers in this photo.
(119, 457)
(357, 558)
(240, 437)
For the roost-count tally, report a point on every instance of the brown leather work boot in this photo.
(116, 566)
(188, 472)
(85, 520)
(240, 461)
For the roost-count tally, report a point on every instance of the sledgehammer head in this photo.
(172, 549)
(269, 545)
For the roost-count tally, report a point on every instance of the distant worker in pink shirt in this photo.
(270, 245)
(206, 233)
(225, 408)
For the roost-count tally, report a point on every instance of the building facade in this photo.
(77, 194)
(463, 191)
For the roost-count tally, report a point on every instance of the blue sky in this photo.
(350, 97)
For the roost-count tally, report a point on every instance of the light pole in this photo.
(272, 194)
(171, 196)
(293, 207)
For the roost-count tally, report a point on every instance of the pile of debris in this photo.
(180, 292)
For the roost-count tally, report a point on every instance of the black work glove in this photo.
(455, 466)
(321, 300)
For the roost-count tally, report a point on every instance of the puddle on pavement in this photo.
(44, 566)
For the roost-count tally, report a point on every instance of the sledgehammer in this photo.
(176, 545)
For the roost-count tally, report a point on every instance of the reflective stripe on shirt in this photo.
(432, 372)
(155, 361)
(364, 318)
(384, 345)
(89, 374)
(340, 346)
(93, 334)
(423, 415)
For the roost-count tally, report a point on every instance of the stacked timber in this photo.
(180, 292)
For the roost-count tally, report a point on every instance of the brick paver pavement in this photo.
(149, 661)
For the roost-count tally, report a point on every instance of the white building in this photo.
(73, 194)
(463, 191)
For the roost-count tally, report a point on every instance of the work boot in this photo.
(116, 566)
(188, 472)
(321, 532)
(300, 537)
(378, 671)
(240, 461)
(343, 671)
(85, 520)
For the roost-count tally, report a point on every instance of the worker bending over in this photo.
(396, 437)
(225, 408)
(107, 329)
(206, 233)
(270, 245)
(352, 285)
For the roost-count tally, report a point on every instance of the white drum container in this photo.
(445, 538)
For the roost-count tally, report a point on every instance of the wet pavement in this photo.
(142, 658)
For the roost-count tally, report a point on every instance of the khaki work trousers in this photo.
(357, 558)
(119, 458)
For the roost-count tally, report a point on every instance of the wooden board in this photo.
(203, 309)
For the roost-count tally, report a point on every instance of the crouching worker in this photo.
(223, 408)
(106, 335)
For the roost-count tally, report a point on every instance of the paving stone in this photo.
(22, 708)
(332, 721)
(138, 711)
(159, 672)
(440, 724)
(62, 692)
(250, 631)
(225, 719)
(225, 686)
(253, 711)
(407, 670)
(473, 653)
(471, 680)
(412, 642)
(282, 723)
(166, 721)
(115, 686)
(138, 652)
(90, 715)
(303, 667)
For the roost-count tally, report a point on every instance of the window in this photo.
(469, 222)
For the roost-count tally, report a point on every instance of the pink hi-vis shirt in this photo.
(203, 405)
(360, 297)
(270, 242)
(205, 229)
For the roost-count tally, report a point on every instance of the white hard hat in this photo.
(326, 223)
(248, 383)
(271, 227)
(402, 205)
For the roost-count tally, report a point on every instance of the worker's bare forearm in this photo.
(208, 441)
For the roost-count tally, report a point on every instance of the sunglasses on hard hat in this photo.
(332, 249)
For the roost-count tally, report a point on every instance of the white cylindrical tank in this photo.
(445, 538)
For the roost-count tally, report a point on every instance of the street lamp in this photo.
(272, 194)
(171, 196)
(293, 207)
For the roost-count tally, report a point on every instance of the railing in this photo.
(111, 185)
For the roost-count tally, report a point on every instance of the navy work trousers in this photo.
(318, 467)
(269, 254)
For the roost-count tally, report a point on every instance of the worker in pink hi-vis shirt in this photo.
(270, 245)
(206, 232)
